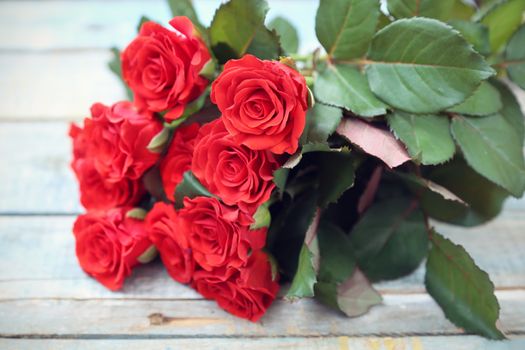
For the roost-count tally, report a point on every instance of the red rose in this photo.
(98, 194)
(162, 225)
(178, 158)
(246, 292)
(162, 67)
(219, 235)
(108, 245)
(235, 173)
(110, 155)
(263, 103)
(118, 139)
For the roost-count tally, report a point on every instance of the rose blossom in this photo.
(163, 227)
(178, 158)
(235, 173)
(162, 67)
(110, 155)
(118, 140)
(246, 292)
(108, 245)
(219, 235)
(263, 103)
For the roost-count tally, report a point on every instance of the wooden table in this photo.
(53, 58)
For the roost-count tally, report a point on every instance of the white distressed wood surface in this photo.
(58, 25)
(56, 67)
(53, 57)
(400, 314)
(318, 343)
(28, 272)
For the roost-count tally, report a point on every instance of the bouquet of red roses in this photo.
(244, 164)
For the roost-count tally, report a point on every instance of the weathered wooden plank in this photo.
(318, 343)
(201, 318)
(34, 169)
(38, 261)
(35, 175)
(53, 86)
(106, 23)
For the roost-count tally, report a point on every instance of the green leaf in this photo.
(142, 20)
(440, 9)
(116, 67)
(337, 256)
(345, 27)
(461, 288)
(493, 149)
(290, 222)
(262, 217)
(462, 10)
(336, 175)
(511, 110)
(354, 297)
(185, 8)
(159, 141)
(341, 284)
(485, 101)
(476, 33)
(189, 187)
(308, 265)
(280, 176)
(515, 57)
(390, 240)
(421, 65)
(502, 19)
(383, 21)
(427, 137)
(304, 279)
(321, 122)
(484, 199)
(265, 45)
(344, 86)
(424, 188)
(287, 33)
(319, 147)
(238, 28)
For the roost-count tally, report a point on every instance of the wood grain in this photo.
(200, 318)
(34, 169)
(38, 261)
(318, 343)
(51, 86)
(69, 25)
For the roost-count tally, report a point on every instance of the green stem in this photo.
(301, 57)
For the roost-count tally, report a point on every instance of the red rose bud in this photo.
(235, 173)
(110, 155)
(163, 228)
(108, 245)
(263, 103)
(178, 158)
(162, 67)
(246, 292)
(219, 235)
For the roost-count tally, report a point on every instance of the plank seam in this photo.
(124, 336)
